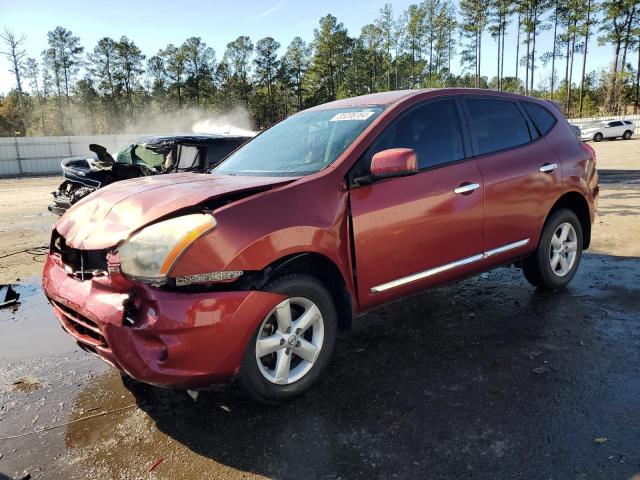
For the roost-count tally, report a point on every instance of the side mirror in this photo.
(395, 162)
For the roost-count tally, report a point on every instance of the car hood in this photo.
(111, 214)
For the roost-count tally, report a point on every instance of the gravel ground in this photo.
(486, 378)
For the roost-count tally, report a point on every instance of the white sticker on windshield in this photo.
(341, 117)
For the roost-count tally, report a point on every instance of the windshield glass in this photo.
(139, 154)
(302, 144)
(594, 124)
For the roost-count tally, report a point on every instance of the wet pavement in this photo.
(487, 378)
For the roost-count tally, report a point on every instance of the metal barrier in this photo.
(42, 155)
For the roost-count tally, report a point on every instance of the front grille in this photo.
(80, 327)
(83, 264)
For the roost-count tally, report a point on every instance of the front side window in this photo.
(496, 125)
(188, 157)
(302, 144)
(431, 130)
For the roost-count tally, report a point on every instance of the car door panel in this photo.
(518, 195)
(410, 225)
(521, 174)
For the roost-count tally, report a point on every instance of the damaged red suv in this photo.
(248, 271)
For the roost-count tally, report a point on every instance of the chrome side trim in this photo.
(506, 248)
(426, 273)
(449, 266)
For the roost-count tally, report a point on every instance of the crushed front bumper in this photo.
(188, 340)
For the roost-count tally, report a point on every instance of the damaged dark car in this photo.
(152, 155)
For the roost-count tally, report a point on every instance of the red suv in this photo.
(249, 270)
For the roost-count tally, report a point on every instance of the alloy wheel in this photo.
(289, 340)
(563, 249)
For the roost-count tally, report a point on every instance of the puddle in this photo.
(29, 329)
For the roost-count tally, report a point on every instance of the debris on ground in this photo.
(10, 296)
(193, 394)
(155, 464)
(26, 384)
(601, 440)
(225, 408)
(539, 370)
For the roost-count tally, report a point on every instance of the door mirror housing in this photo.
(394, 162)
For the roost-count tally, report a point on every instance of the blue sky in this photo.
(154, 24)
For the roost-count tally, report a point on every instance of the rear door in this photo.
(416, 231)
(522, 176)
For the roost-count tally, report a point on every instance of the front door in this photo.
(421, 230)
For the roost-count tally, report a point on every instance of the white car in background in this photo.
(597, 131)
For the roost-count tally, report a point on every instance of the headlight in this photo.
(150, 254)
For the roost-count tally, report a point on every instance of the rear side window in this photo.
(496, 125)
(432, 130)
(627, 122)
(219, 150)
(540, 116)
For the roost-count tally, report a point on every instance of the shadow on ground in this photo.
(484, 379)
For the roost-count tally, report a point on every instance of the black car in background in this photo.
(152, 155)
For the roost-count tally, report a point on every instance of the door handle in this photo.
(548, 167)
(466, 188)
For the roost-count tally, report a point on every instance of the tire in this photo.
(259, 375)
(597, 137)
(627, 135)
(542, 269)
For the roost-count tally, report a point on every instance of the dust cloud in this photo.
(236, 121)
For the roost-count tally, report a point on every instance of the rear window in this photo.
(496, 125)
(540, 116)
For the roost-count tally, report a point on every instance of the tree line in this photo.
(69, 89)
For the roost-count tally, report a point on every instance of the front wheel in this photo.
(293, 343)
(556, 261)
(597, 137)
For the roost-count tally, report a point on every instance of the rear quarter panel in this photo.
(578, 167)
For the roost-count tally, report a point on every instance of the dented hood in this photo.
(111, 214)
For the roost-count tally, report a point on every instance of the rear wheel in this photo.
(627, 135)
(293, 343)
(559, 252)
(597, 137)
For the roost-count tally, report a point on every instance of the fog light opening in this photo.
(130, 313)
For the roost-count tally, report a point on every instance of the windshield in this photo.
(302, 144)
(139, 154)
(595, 124)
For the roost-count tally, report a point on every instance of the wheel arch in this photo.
(326, 271)
(575, 202)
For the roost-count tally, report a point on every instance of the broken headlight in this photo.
(150, 254)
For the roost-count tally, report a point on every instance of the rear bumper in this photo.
(177, 339)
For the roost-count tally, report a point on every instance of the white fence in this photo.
(582, 122)
(42, 155)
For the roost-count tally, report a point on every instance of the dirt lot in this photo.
(483, 379)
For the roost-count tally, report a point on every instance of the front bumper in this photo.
(587, 135)
(177, 339)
